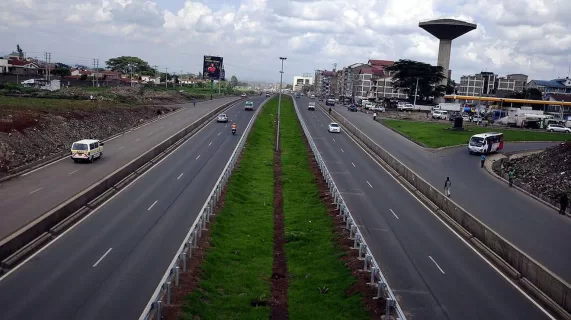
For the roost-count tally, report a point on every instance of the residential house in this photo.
(349, 77)
(551, 86)
(325, 83)
(3, 66)
(22, 67)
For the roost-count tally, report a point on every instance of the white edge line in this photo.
(394, 214)
(452, 230)
(437, 265)
(102, 257)
(103, 204)
(175, 258)
(104, 141)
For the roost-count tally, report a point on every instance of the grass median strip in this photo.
(236, 272)
(435, 135)
(320, 283)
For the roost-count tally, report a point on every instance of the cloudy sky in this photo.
(513, 36)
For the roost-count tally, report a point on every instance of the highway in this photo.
(432, 271)
(108, 266)
(27, 197)
(528, 224)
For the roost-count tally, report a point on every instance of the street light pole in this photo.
(415, 92)
(279, 105)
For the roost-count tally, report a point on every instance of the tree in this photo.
(233, 81)
(83, 77)
(531, 94)
(122, 64)
(288, 86)
(62, 72)
(451, 87)
(20, 51)
(406, 72)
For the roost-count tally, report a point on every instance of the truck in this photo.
(447, 106)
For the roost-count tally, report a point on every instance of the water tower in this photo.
(446, 30)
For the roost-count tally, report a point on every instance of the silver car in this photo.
(222, 118)
(558, 128)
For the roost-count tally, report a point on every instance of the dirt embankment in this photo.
(547, 173)
(30, 135)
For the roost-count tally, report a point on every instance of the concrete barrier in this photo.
(557, 292)
(16, 242)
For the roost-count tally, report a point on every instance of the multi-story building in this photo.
(483, 83)
(349, 76)
(505, 84)
(325, 83)
(301, 82)
(562, 86)
(384, 89)
(520, 81)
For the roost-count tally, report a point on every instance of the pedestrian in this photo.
(447, 185)
(329, 110)
(194, 102)
(482, 160)
(564, 202)
(375, 116)
(511, 177)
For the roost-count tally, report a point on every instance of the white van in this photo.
(87, 149)
(440, 114)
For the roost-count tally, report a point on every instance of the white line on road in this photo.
(38, 189)
(121, 148)
(226, 126)
(102, 257)
(137, 139)
(210, 143)
(180, 176)
(353, 165)
(369, 184)
(197, 157)
(341, 150)
(394, 214)
(437, 265)
(74, 171)
(334, 140)
(219, 133)
(152, 205)
(150, 134)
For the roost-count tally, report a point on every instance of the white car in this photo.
(379, 109)
(558, 128)
(222, 118)
(244, 95)
(334, 127)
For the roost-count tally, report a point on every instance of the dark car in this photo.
(352, 108)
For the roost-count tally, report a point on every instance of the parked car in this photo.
(379, 109)
(405, 107)
(334, 127)
(243, 95)
(222, 118)
(558, 128)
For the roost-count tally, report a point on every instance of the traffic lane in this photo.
(401, 228)
(27, 197)
(513, 214)
(407, 283)
(120, 224)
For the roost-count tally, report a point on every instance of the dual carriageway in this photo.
(108, 265)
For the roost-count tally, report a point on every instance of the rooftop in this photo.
(447, 29)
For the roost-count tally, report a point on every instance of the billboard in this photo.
(213, 68)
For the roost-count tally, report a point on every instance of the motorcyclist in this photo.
(234, 126)
(375, 115)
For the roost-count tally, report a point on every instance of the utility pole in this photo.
(155, 68)
(415, 91)
(97, 73)
(48, 66)
(280, 104)
(180, 78)
(166, 77)
(93, 74)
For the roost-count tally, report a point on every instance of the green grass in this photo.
(312, 254)
(435, 135)
(237, 269)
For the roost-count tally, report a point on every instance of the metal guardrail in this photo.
(377, 279)
(162, 295)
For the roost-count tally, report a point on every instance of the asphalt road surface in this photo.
(108, 266)
(530, 225)
(433, 272)
(27, 197)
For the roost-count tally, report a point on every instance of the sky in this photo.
(513, 36)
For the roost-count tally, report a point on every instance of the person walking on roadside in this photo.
(194, 102)
(329, 110)
(447, 185)
(511, 176)
(482, 160)
(564, 202)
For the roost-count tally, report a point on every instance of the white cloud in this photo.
(513, 36)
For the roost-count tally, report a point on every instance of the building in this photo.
(365, 86)
(349, 77)
(384, 89)
(325, 83)
(520, 81)
(551, 86)
(299, 82)
(483, 83)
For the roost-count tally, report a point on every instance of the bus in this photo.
(484, 143)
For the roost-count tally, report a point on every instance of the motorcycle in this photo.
(233, 131)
